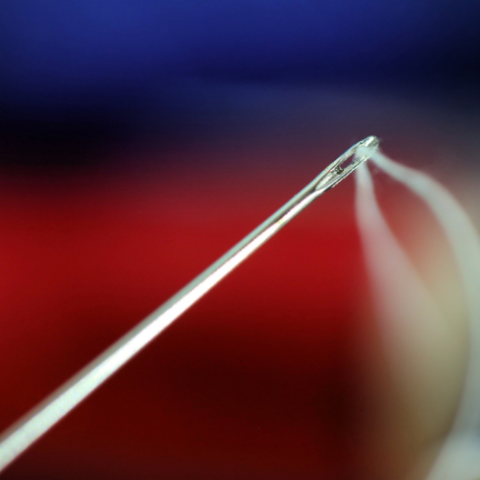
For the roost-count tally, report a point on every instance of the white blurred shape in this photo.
(459, 457)
(415, 332)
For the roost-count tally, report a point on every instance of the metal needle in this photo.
(45, 415)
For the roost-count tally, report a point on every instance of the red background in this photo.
(273, 375)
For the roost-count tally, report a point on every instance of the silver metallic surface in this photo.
(38, 421)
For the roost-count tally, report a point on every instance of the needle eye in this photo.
(346, 163)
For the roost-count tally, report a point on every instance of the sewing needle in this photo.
(38, 421)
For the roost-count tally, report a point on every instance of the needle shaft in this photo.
(38, 421)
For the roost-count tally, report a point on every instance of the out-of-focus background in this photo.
(139, 140)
